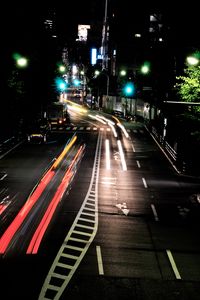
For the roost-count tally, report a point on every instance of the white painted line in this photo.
(4, 176)
(99, 260)
(124, 167)
(133, 148)
(10, 150)
(144, 182)
(173, 264)
(154, 212)
(107, 146)
(106, 182)
(138, 163)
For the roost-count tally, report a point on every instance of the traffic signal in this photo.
(129, 89)
(61, 85)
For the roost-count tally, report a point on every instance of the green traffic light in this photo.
(61, 84)
(129, 89)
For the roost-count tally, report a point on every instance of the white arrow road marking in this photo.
(123, 208)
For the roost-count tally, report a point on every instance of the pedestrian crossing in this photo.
(80, 128)
(90, 128)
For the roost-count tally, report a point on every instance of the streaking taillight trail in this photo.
(20, 217)
(40, 231)
(14, 226)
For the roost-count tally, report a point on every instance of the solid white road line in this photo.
(154, 212)
(173, 264)
(99, 260)
(138, 163)
(144, 182)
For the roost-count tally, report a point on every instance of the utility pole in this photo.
(104, 46)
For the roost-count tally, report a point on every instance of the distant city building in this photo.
(50, 23)
(83, 32)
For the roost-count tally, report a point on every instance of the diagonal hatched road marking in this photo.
(77, 241)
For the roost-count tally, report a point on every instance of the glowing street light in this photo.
(62, 69)
(21, 61)
(123, 73)
(145, 68)
(192, 60)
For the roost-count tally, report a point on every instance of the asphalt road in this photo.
(144, 241)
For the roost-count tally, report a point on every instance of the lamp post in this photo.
(107, 85)
(98, 73)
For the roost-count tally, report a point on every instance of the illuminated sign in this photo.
(93, 56)
(83, 32)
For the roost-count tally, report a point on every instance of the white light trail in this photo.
(113, 129)
(124, 167)
(123, 129)
(107, 154)
(97, 118)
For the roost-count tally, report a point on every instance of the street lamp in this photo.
(21, 61)
(145, 68)
(97, 73)
(192, 60)
(122, 73)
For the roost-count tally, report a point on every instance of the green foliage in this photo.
(188, 86)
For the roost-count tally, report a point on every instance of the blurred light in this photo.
(76, 82)
(129, 89)
(123, 129)
(107, 154)
(21, 61)
(122, 72)
(62, 69)
(74, 70)
(124, 167)
(145, 68)
(60, 84)
(96, 72)
(93, 56)
(191, 60)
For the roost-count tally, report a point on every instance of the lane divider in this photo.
(99, 260)
(173, 264)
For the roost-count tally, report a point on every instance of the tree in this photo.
(188, 86)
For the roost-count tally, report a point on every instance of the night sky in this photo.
(19, 18)
(21, 24)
